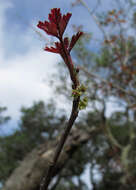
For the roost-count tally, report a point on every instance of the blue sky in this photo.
(21, 15)
(23, 63)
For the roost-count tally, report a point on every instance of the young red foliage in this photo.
(56, 27)
(57, 23)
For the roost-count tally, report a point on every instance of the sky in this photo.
(23, 63)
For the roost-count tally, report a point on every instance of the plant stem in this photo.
(73, 116)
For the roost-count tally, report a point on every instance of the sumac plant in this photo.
(56, 27)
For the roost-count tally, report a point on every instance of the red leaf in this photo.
(74, 40)
(49, 28)
(54, 16)
(52, 49)
(63, 22)
(57, 49)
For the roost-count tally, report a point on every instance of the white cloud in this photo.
(21, 81)
(21, 78)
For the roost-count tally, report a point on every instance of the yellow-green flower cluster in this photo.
(80, 91)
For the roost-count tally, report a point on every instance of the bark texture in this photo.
(29, 174)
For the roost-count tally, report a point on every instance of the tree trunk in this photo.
(29, 174)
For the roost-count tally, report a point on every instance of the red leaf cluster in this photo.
(57, 23)
(56, 27)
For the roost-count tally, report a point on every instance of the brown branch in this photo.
(106, 36)
(31, 170)
(106, 82)
(73, 116)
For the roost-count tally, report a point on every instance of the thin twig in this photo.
(105, 81)
(106, 36)
(95, 19)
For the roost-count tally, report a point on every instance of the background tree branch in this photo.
(31, 170)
